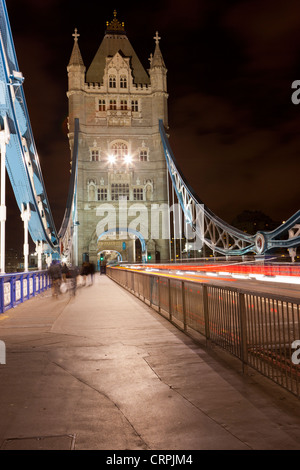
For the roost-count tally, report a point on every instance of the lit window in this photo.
(138, 194)
(112, 81)
(123, 81)
(143, 155)
(123, 105)
(119, 191)
(95, 157)
(102, 194)
(119, 150)
(134, 105)
(113, 104)
(101, 105)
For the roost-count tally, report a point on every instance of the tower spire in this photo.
(157, 59)
(76, 58)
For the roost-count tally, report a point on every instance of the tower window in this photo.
(102, 194)
(112, 81)
(95, 157)
(101, 106)
(138, 194)
(113, 104)
(134, 105)
(123, 81)
(119, 191)
(143, 155)
(123, 104)
(119, 150)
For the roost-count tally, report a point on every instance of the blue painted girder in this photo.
(22, 161)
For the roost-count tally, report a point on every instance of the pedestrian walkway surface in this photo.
(102, 370)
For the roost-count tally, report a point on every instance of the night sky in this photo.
(234, 130)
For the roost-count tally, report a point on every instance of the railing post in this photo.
(243, 332)
(158, 287)
(33, 285)
(151, 289)
(39, 282)
(183, 306)
(22, 288)
(12, 291)
(1, 295)
(170, 300)
(205, 311)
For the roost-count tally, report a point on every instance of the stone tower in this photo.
(122, 178)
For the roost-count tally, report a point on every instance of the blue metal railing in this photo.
(16, 288)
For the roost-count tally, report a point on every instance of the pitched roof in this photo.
(110, 45)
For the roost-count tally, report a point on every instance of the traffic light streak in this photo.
(196, 278)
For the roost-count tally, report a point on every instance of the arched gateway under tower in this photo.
(122, 175)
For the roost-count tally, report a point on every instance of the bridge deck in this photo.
(109, 371)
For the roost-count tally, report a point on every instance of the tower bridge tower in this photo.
(122, 176)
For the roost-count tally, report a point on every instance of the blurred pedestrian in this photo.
(73, 274)
(55, 274)
(92, 270)
(64, 271)
(84, 272)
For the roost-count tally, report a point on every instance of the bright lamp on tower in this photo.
(128, 159)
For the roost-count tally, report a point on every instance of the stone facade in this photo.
(122, 174)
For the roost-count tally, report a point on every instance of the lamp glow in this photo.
(128, 158)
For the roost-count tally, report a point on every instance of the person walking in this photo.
(73, 274)
(64, 271)
(92, 270)
(55, 274)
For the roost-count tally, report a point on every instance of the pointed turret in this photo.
(76, 68)
(157, 59)
(76, 79)
(158, 76)
(76, 58)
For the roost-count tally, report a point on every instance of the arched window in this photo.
(123, 81)
(119, 150)
(112, 81)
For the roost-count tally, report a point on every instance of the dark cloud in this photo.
(270, 31)
(233, 128)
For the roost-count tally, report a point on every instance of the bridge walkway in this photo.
(102, 370)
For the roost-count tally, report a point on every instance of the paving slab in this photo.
(103, 371)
